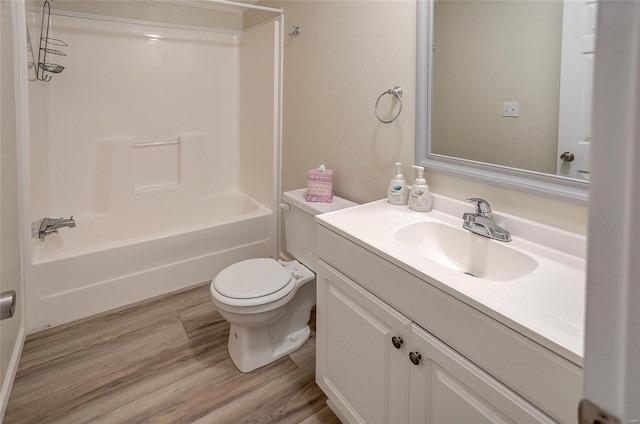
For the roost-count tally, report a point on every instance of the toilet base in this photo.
(252, 348)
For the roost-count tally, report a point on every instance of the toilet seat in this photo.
(253, 282)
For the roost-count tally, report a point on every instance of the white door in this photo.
(11, 329)
(576, 88)
(612, 348)
(445, 387)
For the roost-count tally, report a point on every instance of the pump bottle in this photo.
(420, 198)
(398, 193)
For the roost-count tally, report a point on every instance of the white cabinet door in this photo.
(445, 387)
(363, 374)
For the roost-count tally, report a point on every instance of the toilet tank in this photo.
(300, 226)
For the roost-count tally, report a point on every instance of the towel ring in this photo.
(295, 31)
(397, 93)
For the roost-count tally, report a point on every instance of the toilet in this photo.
(268, 302)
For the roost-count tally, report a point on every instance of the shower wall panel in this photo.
(126, 86)
(162, 142)
(259, 88)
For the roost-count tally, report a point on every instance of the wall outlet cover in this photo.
(511, 109)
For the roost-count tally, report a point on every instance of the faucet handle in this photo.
(482, 206)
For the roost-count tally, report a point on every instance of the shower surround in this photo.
(163, 142)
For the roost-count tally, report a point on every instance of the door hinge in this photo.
(590, 413)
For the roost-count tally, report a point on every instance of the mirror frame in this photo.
(547, 185)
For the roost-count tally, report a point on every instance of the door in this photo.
(612, 346)
(576, 88)
(445, 387)
(11, 329)
(365, 380)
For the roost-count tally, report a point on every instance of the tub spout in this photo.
(52, 225)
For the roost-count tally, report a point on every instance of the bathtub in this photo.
(106, 262)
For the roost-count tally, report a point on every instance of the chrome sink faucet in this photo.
(482, 222)
(52, 225)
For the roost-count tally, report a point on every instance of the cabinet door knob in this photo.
(415, 358)
(397, 342)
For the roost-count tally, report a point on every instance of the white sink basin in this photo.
(534, 284)
(466, 252)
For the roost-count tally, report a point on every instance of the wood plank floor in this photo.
(163, 360)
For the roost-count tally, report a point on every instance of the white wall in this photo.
(347, 54)
(259, 116)
(258, 122)
(121, 87)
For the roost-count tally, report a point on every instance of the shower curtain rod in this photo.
(245, 6)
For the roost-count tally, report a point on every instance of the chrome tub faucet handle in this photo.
(48, 226)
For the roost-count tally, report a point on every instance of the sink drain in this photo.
(469, 274)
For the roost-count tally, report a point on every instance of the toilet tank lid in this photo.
(298, 199)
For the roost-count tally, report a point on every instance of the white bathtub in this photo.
(101, 264)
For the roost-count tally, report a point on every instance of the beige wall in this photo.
(486, 53)
(347, 54)
(9, 244)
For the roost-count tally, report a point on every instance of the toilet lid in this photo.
(252, 278)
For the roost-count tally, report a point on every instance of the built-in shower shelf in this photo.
(156, 164)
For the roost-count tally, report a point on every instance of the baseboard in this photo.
(336, 411)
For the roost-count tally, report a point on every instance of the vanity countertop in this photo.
(546, 305)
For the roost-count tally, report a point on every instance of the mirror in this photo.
(504, 90)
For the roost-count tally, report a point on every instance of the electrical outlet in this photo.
(511, 109)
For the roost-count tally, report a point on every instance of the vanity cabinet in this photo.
(363, 358)
(378, 367)
(392, 348)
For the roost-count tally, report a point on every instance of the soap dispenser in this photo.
(420, 198)
(398, 193)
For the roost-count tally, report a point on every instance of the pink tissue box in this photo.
(320, 185)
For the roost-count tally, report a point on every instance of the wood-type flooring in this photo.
(164, 360)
